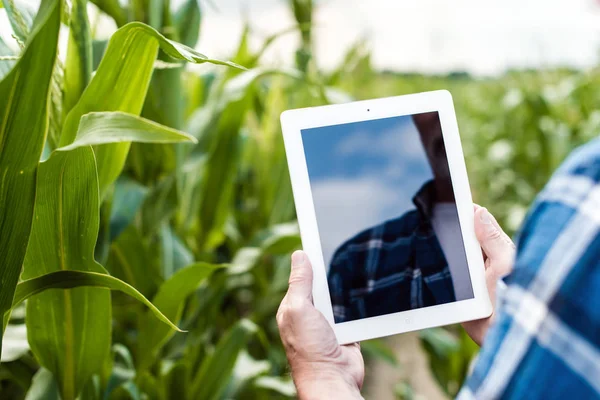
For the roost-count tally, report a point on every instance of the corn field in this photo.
(146, 214)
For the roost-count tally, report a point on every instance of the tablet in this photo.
(385, 214)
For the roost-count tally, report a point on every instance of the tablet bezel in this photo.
(294, 121)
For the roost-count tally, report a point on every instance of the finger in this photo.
(301, 276)
(496, 245)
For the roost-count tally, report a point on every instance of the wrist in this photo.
(314, 382)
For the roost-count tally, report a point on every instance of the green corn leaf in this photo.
(174, 253)
(69, 279)
(43, 387)
(170, 299)
(20, 15)
(175, 381)
(7, 59)
(62, 334)
(127, 199)
(159, 205)
(215, 372)
(220, 138)
(130, 260)
(113, 9)
(98, 128)
(278, 239)
(123, 370)
(187, 22)
(78, 68)
(23, 125)
(246, 369)
(120, 84)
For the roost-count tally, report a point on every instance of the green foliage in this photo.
(63, 237)
(23, 123)
(169, 184)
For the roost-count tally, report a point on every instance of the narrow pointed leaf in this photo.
(120, 84)
(23, 126)
(20, 15)
(43, 387)
(113, 9)
(115, 127)
(175, 255)
(130, 260)
(215, 372)
(170, 299)
(69, 330)
(7, 59)
(78, 68)
(187, 22)
(128, 197)
(69, 279)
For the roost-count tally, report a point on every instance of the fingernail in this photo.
(298, 258)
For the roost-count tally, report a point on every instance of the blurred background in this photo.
(526, 87)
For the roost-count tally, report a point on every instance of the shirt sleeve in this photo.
(545, 341)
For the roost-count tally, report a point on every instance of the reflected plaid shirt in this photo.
(396, 266)
(545, 342)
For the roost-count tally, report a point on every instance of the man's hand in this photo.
(498, 252)
(321, 368)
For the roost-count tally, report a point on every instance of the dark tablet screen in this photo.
(386, 215)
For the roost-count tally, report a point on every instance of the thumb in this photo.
(301, 276)
(496, 244)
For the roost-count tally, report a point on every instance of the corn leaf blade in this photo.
(215, 372)
(63, 336)
(7, 59)
(130, 261)
(43, 387)
(69, 279)
(97, 128)
(120, 84)
(23, 126)
(78, 68)
(21, 17)
(170, 299)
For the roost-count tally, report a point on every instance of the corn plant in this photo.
(84, 212)
(140, 198)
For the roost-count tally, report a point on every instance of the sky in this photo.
(362, 174)
(430, 36)
(434, 36)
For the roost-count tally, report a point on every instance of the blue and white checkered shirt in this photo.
(395, 266)
(545, 341)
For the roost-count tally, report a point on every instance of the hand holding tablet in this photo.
(386, 216)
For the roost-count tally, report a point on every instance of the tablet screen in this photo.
(386, 215)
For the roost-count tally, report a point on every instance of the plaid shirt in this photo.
(545, 341)
(396, 266)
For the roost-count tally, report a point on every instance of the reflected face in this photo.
(430, 132)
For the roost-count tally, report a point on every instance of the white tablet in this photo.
(385, 213)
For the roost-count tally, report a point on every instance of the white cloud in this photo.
(426, 35)
(345, 207)
(399, 143)
(401, 137)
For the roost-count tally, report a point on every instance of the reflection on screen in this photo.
(386, 214)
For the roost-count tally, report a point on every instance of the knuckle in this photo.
(281, 313)
(296, 308)
(297, 277)
(494, 234)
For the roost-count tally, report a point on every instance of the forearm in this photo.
(315, 385)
